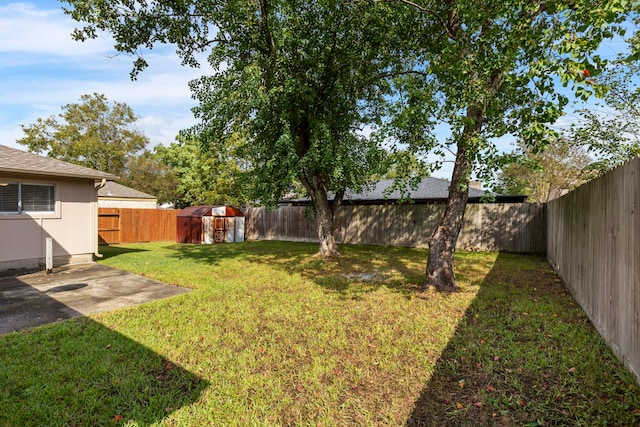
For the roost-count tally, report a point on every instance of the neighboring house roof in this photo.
(16, 161)
(119, 191)
(429, 190)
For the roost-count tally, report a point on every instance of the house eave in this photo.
(21, 171)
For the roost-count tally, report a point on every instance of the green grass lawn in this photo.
(273, 336)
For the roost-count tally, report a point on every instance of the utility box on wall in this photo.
(210, 224)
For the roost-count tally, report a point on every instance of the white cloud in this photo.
(164, 129)
(44, 69)
(9, 135)
(27, 29)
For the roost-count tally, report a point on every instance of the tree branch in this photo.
(425, 10)
(402, 73)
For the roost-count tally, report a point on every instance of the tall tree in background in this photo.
(399, 165)
(204, 177)
(548, 174)
(294, 77)
(611, 129)
(93, 133)
(487, 69)
(606, 135)
(147, 173)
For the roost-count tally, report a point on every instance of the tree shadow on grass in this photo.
(113, 251)
(526, 354)
(263, 251)
(81, 373)
(78, 372)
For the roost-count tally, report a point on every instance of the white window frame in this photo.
(20, 210)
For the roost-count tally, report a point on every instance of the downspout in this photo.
(101, 185)
(98, 187)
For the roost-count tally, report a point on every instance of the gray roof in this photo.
(119, 191)
(16, 161)
(428, 188)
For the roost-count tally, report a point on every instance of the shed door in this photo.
(229, 230)
(240, 229)
(207, 229)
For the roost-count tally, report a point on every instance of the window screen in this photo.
(9, 197)
(38, 198)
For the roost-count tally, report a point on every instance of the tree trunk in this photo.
(315, 186)
(442, 243)
(328, 246)
(324, 216)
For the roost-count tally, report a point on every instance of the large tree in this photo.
(148, 173)
(485, 70)
(93, 133)
(294, 77)
(204, 176)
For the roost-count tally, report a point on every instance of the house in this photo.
(43, 198)
(114, 195)
(429, 190)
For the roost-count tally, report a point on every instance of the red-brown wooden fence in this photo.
(124, 225)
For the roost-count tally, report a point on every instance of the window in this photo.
(37, 198)
(17, 197)
(9, 199)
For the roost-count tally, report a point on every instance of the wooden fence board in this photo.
(128, 225)
(594, 245)
(514, 228)
(508, 227)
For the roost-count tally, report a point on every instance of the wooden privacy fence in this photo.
(124, 225)
(594, 245)
(496, 226)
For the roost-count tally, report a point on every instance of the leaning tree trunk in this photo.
(442, 243)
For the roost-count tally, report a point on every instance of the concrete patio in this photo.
(37, 298)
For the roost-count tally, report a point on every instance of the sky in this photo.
(43, 69)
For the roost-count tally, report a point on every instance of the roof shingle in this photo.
(119, 191)
(428, 188)
(16, 161)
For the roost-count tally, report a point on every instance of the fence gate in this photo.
(108, 226)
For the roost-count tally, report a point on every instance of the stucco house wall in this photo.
(72, 223)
